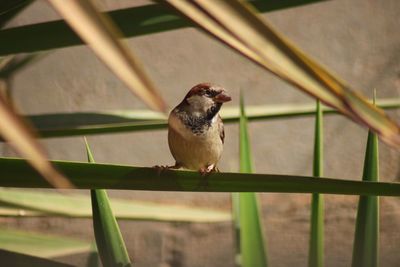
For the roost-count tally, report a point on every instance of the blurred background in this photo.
(357, 39)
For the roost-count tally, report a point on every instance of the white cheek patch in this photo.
(196, 101)
(200, 103)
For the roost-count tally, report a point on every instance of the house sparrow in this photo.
(195, 129)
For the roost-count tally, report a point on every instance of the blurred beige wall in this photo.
(357, 39)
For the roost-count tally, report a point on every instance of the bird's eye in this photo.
(208, 92)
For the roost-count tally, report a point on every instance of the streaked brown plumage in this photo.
(195, 129)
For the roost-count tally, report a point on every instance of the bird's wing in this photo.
(221, 129)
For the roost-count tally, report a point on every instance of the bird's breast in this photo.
(192, 126)
(194, 148)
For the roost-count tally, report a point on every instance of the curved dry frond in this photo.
(20, 136)
(102, 36)
(133, 21)
(236, 24)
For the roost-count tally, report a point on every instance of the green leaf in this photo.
(9, 9)
(236, 24)
(93, 259)
(133, 21)
(316, 250)
(236, 226)
(110, 244)
(246, 162)
(252, 245)
(20, 259)
(102, 122)
(11, 211)
(366, 240)
(25, 203)
(17, 173)
(40, 245)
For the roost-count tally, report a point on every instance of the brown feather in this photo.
(221, 129)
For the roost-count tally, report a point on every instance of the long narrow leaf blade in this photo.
(21, 137)
(9, 9)
(103, 122)
(17, 173)
(246, 162)
(366, 240)
(235, 200)
(252, 245)
(316, 250)
(93, 259)
(134, 21)
(25, 203)
(102, 36)
(110, 244)
(236, 24)
(40, 245)
(6, 211)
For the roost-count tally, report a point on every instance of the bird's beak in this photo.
(222, 97)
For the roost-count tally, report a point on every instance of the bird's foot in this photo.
(207, 170)
(162, 168)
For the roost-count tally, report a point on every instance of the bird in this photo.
(195, 129)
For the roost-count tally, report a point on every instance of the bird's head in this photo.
(205, 96)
